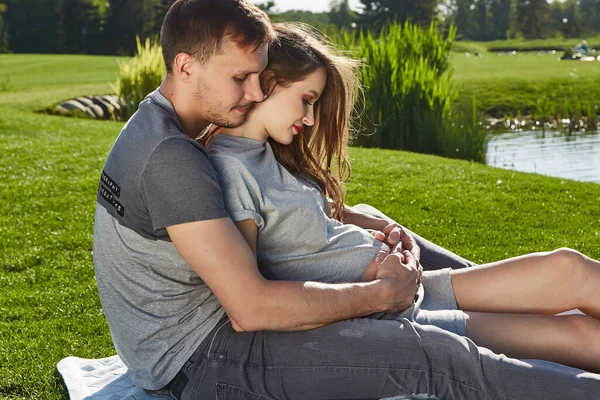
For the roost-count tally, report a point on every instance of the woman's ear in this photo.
(267, 82)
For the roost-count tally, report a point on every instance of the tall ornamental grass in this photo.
(409, 95)
(139, 76)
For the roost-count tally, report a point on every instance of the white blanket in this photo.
(101, 379)
(106, 379)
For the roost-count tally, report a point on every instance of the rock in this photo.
(97, 107)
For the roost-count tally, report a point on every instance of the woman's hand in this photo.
(377, 234)
(371, 271)
(401, 242)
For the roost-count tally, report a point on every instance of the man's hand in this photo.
(400, 272)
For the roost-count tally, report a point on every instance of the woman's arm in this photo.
(393, 233)
(249, 231)
(365, 221)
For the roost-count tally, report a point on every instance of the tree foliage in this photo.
(532, 17)
(375, 14)
(111, 26)
(3, 33)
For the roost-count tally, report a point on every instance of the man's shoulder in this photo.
(151, 129)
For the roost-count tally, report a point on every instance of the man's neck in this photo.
(184, 109)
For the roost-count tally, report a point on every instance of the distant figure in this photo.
(582, 48)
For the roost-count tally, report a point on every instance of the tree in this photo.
(555, 18)
(267, 6)
(161, 10)
(80, 27)
(3, 33)
(318, 20)
(484, 27)
(341, 15)
(130, 18)
(572, 25)
(461, 13)
(500, 11)
(376, 13)
(33, 26)
(590, 15)
(532, 18)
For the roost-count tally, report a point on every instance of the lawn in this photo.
(49, 170)
(527, 83)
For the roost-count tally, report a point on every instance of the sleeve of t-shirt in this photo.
(240, 189)
(179, 185)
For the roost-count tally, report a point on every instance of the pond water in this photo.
(549, 153)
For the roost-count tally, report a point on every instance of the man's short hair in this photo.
(199, 27)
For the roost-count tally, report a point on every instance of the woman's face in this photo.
(289, 109)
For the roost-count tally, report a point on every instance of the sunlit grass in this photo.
(512, 85)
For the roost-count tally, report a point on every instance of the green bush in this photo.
(139, 76)
(409, 94)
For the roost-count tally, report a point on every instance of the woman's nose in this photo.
(309, 118)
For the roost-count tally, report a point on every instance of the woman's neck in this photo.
(252, 128)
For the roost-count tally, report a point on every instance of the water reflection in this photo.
(574, 157)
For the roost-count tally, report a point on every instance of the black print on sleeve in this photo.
(108, 196)
(111, 184)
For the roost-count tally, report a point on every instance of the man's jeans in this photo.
(370, 359)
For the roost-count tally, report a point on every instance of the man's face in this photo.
(228, 84)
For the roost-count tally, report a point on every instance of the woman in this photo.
(282, 173)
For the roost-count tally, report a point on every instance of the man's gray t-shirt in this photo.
(157, 308)
(297, 238)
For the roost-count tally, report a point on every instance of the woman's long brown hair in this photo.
(318, 152)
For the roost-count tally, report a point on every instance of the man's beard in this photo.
(214, 112)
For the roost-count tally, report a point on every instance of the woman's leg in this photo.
(570, 340)
(541, 283)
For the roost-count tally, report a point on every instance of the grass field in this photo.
(527, 83)
(49, 170)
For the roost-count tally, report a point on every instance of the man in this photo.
(174, 273)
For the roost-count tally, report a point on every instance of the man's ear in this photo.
(183, 66)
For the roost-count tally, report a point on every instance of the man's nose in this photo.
(253, 91)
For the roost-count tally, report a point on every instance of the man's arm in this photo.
(217, 251)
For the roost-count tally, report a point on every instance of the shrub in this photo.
(139, 76)
(409, 93)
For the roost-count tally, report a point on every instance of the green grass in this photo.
(49, 169)
(525, 45)
(512, 85)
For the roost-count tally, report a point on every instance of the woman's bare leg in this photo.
(540, 283)
(570, 340)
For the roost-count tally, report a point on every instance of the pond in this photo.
(549, 153)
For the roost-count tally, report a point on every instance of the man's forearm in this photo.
(294, 306)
